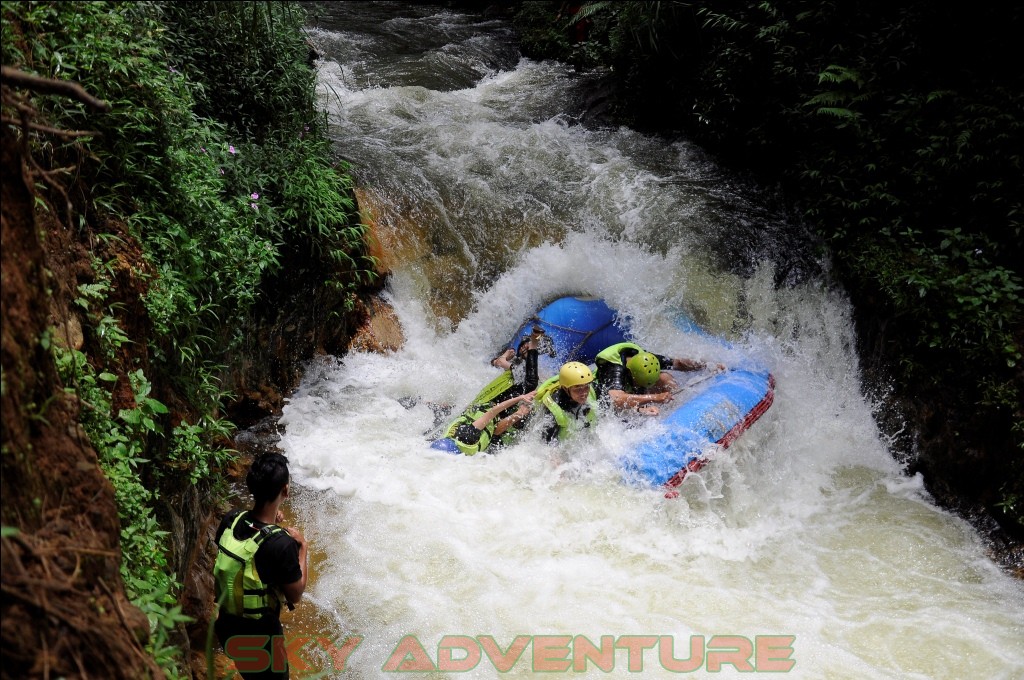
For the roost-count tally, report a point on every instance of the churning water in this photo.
(495, 199)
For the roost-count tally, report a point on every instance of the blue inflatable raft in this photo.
(710, 410)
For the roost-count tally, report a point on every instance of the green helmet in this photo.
(645, 369)
(574, 373)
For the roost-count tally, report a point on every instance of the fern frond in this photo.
(830, 97)
(837, 112)
(834, 73)
(589, 9)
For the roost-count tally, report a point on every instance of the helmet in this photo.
(645, 369)
(574, 373)
(447, 444)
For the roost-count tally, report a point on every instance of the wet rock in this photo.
(382, 331)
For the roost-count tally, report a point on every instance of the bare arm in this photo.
(694, 365)
(293, 591)
(687, 364)
(525, 402)
(504, 360)
(481, 422)
(623, 401)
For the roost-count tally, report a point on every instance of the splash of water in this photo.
(804, 527)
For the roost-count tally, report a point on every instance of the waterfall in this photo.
(494, 199)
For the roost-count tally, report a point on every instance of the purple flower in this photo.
(231, 148)
(254, 196)
(254, 206)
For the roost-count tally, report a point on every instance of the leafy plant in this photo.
(214, 161)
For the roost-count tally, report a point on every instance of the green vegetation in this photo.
(208, 178)
(897, 130)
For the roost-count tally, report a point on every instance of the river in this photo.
(804, 542)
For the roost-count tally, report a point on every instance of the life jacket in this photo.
(613, 354)
(467, 418)
(239, 589)
(494, 389)
(567, 426)
(546, 388)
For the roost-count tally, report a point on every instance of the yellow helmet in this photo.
(645, 369)
(574, 373)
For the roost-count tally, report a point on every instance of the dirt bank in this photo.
(64, 611)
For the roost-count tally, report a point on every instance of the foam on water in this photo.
(805, 526)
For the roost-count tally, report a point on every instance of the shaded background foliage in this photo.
(253, 90)
(896, 130)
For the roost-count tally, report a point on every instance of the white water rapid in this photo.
(805, 532)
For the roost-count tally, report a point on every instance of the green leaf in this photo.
(836, 112)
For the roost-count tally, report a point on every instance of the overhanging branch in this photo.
(18, 78)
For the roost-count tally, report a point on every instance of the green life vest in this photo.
(239, 589)
(611, 354)
(546, 388)
(568, 426)
(495, 388)
(467, 418)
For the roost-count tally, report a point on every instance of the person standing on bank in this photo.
(260, 567)
(631, 378)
